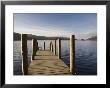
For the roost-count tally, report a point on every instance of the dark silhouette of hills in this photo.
(92, 38)
(17, 37)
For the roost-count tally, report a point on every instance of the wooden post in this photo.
(55, 48)
(50, 45)
(59, 48)
(72, 54)
(37, 45)
(24, 54)
(44, 45)
(34, 45)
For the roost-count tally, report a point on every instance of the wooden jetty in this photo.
(46, 61)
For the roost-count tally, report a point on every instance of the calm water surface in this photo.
(85, 55)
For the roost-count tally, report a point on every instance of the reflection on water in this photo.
(85, 55)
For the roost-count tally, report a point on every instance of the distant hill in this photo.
(92, 38)
(17, 37)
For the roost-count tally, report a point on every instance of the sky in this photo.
(82, 25)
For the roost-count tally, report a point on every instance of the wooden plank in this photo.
(46, 63)
(44, 53)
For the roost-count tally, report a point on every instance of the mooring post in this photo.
(24, 52)
(34, 48)
(37, 45)
(44, 45)
(55, 48)
(59, 48)
(72, 54)
(50, 45)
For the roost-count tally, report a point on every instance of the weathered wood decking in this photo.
(46, 63)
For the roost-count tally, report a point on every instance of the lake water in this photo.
(85, 55)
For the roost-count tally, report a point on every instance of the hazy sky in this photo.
(83, 25)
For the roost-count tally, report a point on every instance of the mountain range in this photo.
(17, 37)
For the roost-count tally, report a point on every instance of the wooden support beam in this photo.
(55, 48)
(34, 48)
(72, 54)
(44, 45)
(24, 54)
(50, 45)
(37, 46)
(59, 48)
